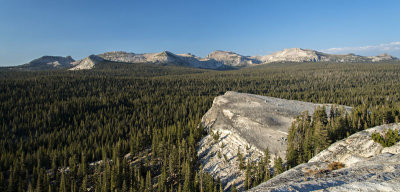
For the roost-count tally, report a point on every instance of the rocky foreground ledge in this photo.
(248, 123)
(367, 167)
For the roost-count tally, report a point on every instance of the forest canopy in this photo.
(134, 127)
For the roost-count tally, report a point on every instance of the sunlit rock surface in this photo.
(250, 123)
(87, 63)
(48, 63)
(368, 167)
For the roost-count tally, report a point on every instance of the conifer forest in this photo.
(135, 127)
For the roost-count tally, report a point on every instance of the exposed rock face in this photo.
(120, 56)
(49, 62)
(215, 60)
(307, 55)
(250, 123)
(368, 167)
(223, 59)
(233, 59)
(293, 54)
(87, 63)
(162, 58)
(383, 57)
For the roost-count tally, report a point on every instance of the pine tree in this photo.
(83, 187)
(247, 181)
(105, 182)
(162, 180)
(39, 183)
(321, 138)
(240, 159)
(149, 185)
(142, 186)
(278, 168)
(124, 186)
(179, 188)
(63, 187)
(11, 184)
(187, 183)
(267, 161)
(291, 152)
(320, 115)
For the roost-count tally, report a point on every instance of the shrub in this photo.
(215, 135)
(335, 166)
(389, 138)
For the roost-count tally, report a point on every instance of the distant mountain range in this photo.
(215, 60)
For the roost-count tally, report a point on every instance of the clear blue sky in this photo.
(33, 28)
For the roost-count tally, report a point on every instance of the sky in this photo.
(32, 28)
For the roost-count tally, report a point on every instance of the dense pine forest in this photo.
(134, 127)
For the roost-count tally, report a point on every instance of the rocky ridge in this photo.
(214, 60)
(87, 63)
(383, 57)
(233, 59)
(308, 55)
(368, 167)
(48, 62)
(248, 123)
(165, 57)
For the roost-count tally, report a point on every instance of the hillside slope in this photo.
(368, 167)
(86, 63)
(165, 57)
(248, 123)
(48, 63)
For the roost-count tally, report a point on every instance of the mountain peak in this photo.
(383, 57)
(232, 58)
(86, 63)
(167, 53)
(292, 55)
(49, 62)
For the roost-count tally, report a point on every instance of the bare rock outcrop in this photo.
(292, 55)
(308, 55)
(87, 63)
(248, 123)
(165, 57)
(48, 63)
(368, 167)
(228, 59)
(383, 57)
(232, 59)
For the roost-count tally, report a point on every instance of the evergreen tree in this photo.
(84, 186)
(321, 138)
(247, 180)
(278, 168)
(240, 159)
(187, 186)
(149, 185)
(267, 161)
(63, 187)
